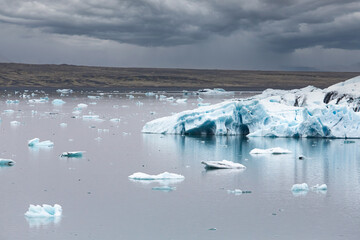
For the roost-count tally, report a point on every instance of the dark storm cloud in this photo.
(284, 25)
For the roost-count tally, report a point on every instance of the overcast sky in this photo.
(221, 34)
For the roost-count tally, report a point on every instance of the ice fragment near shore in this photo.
(308, 112)
(36, 143)
(6, 162)
(276, 150)
(224, 164)
(161, 176)
(44, 211)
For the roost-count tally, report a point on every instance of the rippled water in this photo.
(100, 202)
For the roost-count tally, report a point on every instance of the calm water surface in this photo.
(100, 202)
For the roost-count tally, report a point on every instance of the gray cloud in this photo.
(281, 25)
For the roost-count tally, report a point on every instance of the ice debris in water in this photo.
(65, 91)
(300, 187)
(161, 176)
(224, 164)
(12, 101)
(215, 91)
(317, 187)
(149, 94)
(181, 100)
(44, 211)
(58, 102)
(82, 105)
(15, 123)
(9, 111)
(40, 100)
(6, 162)
(36, 143)
(276, 150)
(90, 117)
(333, 112)
(63, 124)
(77, 154)
(94, 97)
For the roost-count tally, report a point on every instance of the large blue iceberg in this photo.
(333, 112)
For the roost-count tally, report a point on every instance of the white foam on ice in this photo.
(308, 112)
(44, 211)
(276, 150)
(224, 164)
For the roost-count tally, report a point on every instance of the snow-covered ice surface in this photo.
(223, 164)
(333, 112)
(36, 211)
(35, 142)
(160, 176)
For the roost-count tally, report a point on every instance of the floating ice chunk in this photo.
(300, 187)
(130, 96)
(89, 117)
(224, 164)
(58, 102)
(9, 111)
(6, 162)
(82, 105)
(115, 120)
(182, 100)
(41, 100)
(276, 150)
(44, 211)
(149, 94)
(15, 123)
(65, 91)
(235, 191)
(63, 125)
(215, 91)
(77, 154)
(12, 101)
(170, 99)
(161, 176)
(164, 188)
(36, 143)
(317, 187)
(94, 97)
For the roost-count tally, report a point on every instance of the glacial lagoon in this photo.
(99, 201)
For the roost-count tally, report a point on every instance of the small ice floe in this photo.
(41, 100)
(82, 105)
(276, 150)
(45, 210)
(237, 191)
(15, 123)
(301, 187)
(58, 102)
(77, 154)
(162, 97)
(12, 101)
(149, 94)
(63, 125)
(224, 164)
(215, 91)
(161, 176)
(36, 143)
(164, 188)
(317, 187)
(94, 97)
(9, 111)
(130, 96)
(90, 117)
(64, 91)
(181, 100)
(6, 162)
(115, 120)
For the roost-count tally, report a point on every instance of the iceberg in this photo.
(58, 102)
(6, 162)
(215, 91)
(300, 187)
(224, 164)
(36, 143)
(317, 187)
(333, 112)
(44, 211)
(64, 91)
(161, 176)
(276, 150)
(77, 154)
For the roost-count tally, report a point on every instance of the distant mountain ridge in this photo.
(15, 75)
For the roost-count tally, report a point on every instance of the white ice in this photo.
(76, 154)
(44, 211)
(15, 123)
(161, 176)
(308, 112)
(317, 187)
(58, 102)
(12, 101)
(224, 164)
(181, 100)
(65, 91)
(215, 91)
(300, 187)
(36, 143)
(276, 150)
(82, 105)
